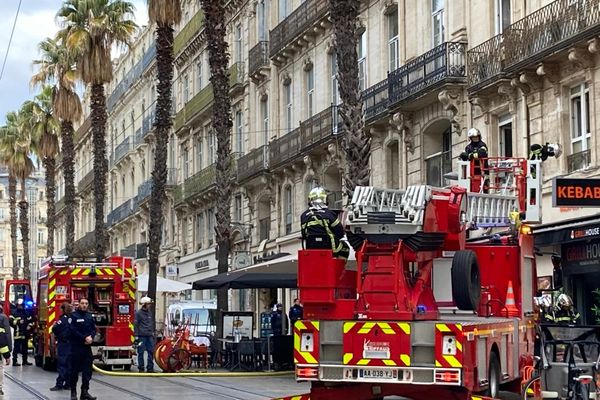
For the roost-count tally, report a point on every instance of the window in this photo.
(264, 109)
(20, 261)
(238, 43)
(580, 127)
(1, 234)
(186, 161)
(211, 145)
(393, 44)
(239, 132)
(440, 162)
(186, 88)
(362, 61)
(123, 187)
(310, 91)
(199, 230)
(437, 21)
(132, 122)
(210, 217)
(199, 153)
(288, 106)
(335, 92)
(288, 209)
(199, 74)
(285, 7)
(237, 208)
(505, 136)
(1, 213)
(261, 17)
(40, 237)
(502, 15)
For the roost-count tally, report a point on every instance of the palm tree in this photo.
(357, 141)
(165, 13)
(57, 67)
(45, 129)
(215, 29)
(90, 28)
(8, 136)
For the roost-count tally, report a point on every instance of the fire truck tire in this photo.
(494, 376)
(466, 286)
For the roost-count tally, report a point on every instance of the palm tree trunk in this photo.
(12, 194)
(357, 139)
(98, 115)
(24, 222)
(218, 58)
(50, 167)
(163, 122)
(68, 165)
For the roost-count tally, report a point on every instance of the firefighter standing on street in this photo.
(144, 333)
(22, 322)
(5, 345)
(62, 332)
(82, 332)
(321, 227)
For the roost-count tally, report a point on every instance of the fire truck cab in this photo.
(440, 303)
(110, 288)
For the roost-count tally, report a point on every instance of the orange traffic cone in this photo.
(511, 306)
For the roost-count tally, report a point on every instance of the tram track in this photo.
(121, 389)
(207, 391)
(28, 388)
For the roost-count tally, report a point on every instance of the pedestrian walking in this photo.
(5, 345)
(22, 322)
(144, 334)
(82, 332)
(62, 332)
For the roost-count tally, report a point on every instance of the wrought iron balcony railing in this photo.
(149, 56)
(86, 181)
(148, 122)
(375, 99)
(253, 163)
(557, 26)
(236, 76)
(191, 29)
(200, 182)
(446, 62)
(285, 148)
(258, 57)
(145, 189)
(59, 205)
(121, 150)
(319, 128)
(436, 166)
(82, 130)
(579, 161)
(486, 62)
(85, 245)
(299, 21)
(121, 212)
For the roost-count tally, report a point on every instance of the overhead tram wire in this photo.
(10, 39)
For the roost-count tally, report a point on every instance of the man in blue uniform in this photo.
(22, 322)
(82, 335)
(62, 333)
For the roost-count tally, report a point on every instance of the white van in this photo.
(201, 316)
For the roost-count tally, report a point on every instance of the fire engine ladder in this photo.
(490, 210)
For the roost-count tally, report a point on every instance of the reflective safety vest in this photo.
(3, 342)
(323, 222)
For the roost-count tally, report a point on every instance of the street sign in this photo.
(576, 192)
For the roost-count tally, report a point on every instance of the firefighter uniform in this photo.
(22, 322)
(325, 224)
(62, 333)
(5, 346)
(82, 325)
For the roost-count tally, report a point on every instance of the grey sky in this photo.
(36, 22)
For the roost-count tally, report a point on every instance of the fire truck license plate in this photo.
(368, 373)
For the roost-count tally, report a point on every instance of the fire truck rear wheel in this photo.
(466, 284)
(494, 376)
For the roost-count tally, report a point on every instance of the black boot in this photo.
(73, 394)
(86, 396)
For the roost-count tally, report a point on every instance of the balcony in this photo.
(486, 63)
(149, 56)
(287, 33)
(253, 164)
(185, 37)
(85, 245)
(145, 189)
(258, 60)
(120, 151)
(200, 182)
(443, 64)
(319, 128)
(436, 166)
(82, 130)
(236, 78)
(375, 100)
(579, 161)
(178, 195)
(285, 148)
(120, 213)
(85, 182)
(147, 125)
(59, 205)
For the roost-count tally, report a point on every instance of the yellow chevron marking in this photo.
(86, 271)
(296, 361)
(296, 341)
(119, 271)
(437, 363)
(51, 317)
(458, 345)
(348, 326)
(76, 271)
(51, 284)
(64, 272)
(405, 327)
(308, 357)
(300, 325)
(390, 363)
(476, 398)
(316, 324)
(132, 284)
(347, 358)
(99, 272)
(363, 361)
(51, 295)
(129, 271)
(131, 294)
(386, 328)
(459, 327)
(405, 359)
(366, 328)
(109, 271)
(442, 328)
(452, 361)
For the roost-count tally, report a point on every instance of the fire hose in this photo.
(180, 374)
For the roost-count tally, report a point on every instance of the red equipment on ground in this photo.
(440, 303)
(109, 286)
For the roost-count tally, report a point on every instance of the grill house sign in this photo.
(582, 253)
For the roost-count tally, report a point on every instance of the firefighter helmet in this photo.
(318, 196)
(564, 302)
(146, 300)
(473, 132)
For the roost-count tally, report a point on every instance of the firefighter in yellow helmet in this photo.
(321, 227)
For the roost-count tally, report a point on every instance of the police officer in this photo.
(22, 322)
(82, 332)
(321, 227)
(296, 313)
(62, 332)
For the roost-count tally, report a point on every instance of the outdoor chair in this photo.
(246, 354)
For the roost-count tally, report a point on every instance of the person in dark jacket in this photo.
(321, 227)
(296, 313)
(277, 320)
(22, 322)
(476, 148)
(82, 332)
(62, 332)
(144, 333)
(5, 345)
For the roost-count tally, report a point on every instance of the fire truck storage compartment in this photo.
(328, 288)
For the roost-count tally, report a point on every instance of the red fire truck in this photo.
(440, 304)
(109, 286)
